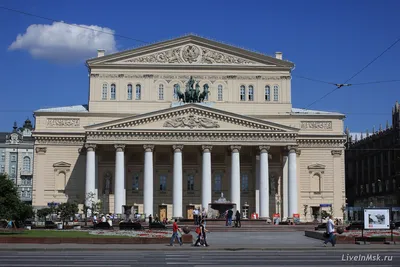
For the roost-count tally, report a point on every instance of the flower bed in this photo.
(140, 234)
(370, 233)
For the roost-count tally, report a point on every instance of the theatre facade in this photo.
(174, 125)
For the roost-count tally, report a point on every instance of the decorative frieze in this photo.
(320, 142)
(316, 125)
(59, 140)
(184, 78)
(190, 54)
(191, 121)
(63, 123)
(206, 137)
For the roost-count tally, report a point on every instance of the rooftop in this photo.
(84, 109)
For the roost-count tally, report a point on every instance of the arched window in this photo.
(251, 93)
(104, 92)
(161, 92)
(267, 93)
(27, 163)
(276, 93)
(113, 92)
(129, 91)
(242, 93)
(138, 92)
(176, 89)
(220, 93)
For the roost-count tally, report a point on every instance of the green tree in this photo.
(11, 207)
(43, 213)
(67, 210)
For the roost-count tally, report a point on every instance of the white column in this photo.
(148, 180)
(257, 193)
(177, 192)
(264, 182)
(119, 189)
(96, 179)
(235, 177)
(292, 183)
(90, 171)
(206, 189)
(285, 189)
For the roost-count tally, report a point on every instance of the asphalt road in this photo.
(198, 258)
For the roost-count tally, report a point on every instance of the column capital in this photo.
(119, 147)
(177, 148)
(336, 153)
(293, 149)
(264, 149)
(148, 148)
(235, 148)
(206, 148)
(90, 147)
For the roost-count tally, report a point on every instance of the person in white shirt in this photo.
(330, 228)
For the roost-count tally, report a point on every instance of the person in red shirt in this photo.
(174, 236)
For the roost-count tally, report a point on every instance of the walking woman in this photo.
(202, 235)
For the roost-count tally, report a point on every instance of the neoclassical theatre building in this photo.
(172, 126)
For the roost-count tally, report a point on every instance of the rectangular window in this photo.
(220, 93)
(245, 182)
(138, 92)
(190, 182)
(267, 93)
(161, 92)
(13, 158)
(135, 182)
(3, 157)
(218, 183)
(104, 92)
(13, 170)
(2, 169)
(113, 92)
(163, 183)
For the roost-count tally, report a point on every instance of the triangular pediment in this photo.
(61, 164)
(191, 117)
(190, 50)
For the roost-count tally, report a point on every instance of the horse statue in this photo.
(180, 95)
(196, 93)
(203, 95)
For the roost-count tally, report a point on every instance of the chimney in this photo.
(101, 52)
(278, 55)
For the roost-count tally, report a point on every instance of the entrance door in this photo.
(163, 212)
(189, 212)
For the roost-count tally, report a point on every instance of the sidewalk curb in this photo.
(357, 248)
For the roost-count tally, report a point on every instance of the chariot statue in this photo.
(192, 92)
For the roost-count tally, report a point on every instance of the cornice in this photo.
(60, 140)
(321, 142)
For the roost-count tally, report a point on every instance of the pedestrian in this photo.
(174, 236)
(329, 235)
(230, 215)
(237, 219)
(202, 235)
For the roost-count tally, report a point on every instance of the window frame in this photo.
(162, 178)
(104, 91)
(220, 92)
(138, 88)
(26, 168)
(242, 189)
(267, 96)
(161, 92)
(215, 189)
(113, 91)
(242, 93)
(276, 92)
(129, 91)
(190, 182)
(250, 93)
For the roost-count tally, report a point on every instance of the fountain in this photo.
(221, 205)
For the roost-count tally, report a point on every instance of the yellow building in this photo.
(138, 142)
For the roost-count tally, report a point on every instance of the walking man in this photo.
(330, 226)
(174, 236)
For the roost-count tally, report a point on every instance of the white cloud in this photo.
(63, 42)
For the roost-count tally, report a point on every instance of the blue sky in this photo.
(327, 40)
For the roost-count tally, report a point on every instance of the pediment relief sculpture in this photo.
(190, 54)
(191, 121)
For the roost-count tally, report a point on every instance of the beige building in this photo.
(137, 143)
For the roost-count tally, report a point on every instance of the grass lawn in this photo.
(56, 233)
